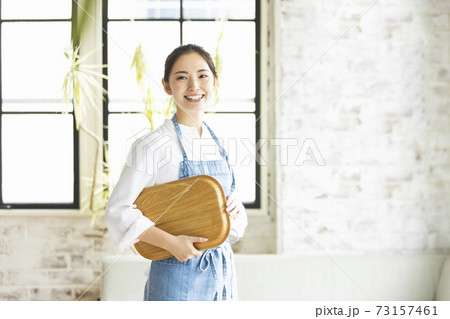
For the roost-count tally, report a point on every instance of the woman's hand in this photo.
(182, 247)
(234, 206)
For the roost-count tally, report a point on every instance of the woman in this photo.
(191, 79)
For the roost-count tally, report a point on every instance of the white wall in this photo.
(377, 104)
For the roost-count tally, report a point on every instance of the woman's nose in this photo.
(193, 84)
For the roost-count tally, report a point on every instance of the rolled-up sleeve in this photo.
(124, 221)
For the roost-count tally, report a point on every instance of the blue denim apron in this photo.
(212, 275)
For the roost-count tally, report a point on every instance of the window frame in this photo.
(76, 164)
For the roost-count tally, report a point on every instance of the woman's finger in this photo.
(199, 239)
(231, 206)
(235, 212)
(197, 253)
(240, 208)
(230, 199)
(234, 206)
(233, 209)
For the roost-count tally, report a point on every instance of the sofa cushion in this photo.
(287, 277)
(124, 277)
(384, 277)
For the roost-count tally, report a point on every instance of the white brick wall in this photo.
(377, 104)
(51, 258)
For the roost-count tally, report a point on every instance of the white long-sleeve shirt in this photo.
(155, 159)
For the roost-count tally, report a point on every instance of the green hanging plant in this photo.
(81, 87)
(140, 66)
(150, 107)
(81, 84)
(218, 62)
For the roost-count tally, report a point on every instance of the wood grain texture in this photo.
(193, 206)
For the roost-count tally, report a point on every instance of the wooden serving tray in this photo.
(193, 206)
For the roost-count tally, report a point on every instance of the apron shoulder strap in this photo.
(177, 128)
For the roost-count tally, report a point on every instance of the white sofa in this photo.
(286, 277)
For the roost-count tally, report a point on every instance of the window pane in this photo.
(37, 158)
(33, 9)
(34, 67)
(144, 9)
(123, 130)
(237, 50)
(237, 131)
(212, 9)
(157, 40)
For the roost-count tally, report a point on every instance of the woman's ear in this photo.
(166, 87)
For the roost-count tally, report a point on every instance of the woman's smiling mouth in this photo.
(194, 98)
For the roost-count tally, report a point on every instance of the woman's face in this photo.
(191, 83)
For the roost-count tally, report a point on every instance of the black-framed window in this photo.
(160, 26)
(39, 166)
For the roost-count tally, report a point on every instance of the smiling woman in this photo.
(190, 78)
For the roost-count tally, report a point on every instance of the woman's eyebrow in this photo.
(201, 70)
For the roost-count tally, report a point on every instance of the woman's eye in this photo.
(181, 78)
(203, 76)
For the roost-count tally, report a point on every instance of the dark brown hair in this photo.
(186, 49)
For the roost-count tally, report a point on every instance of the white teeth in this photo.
(194, 97)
